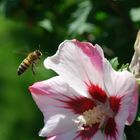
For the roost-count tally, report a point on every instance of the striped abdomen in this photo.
(23, 66)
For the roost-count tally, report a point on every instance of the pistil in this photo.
(90, 117)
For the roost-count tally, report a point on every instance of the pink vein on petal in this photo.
(35, 89)
(97, 93)
(88, 133)
(78, 104)
(114, 103)
(111, 129)
(92, 52)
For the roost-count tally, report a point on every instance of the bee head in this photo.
(38, 52)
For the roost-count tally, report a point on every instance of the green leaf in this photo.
(114, 62)
(138, 81)
(79, 25)
(124, 67)
(46, 24)
(100, 16)
(135, 14)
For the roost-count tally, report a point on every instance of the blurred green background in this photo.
(27, 24)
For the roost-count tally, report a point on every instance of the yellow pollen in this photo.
(90, 117)
(93, 116)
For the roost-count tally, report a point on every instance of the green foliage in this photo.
(115, 63)
(46, 24)
(80, 25)
(124, 67)
(135, 14)
(30, 23)
(138, 81)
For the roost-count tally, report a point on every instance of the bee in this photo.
(30, 60)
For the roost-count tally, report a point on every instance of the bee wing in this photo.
(35, 65)
(33, 68)
(24, 50)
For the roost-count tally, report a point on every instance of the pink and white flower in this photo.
(88, 100)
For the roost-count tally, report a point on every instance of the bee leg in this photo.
(33, 68)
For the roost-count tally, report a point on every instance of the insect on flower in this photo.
(88, 100)
(30, 60)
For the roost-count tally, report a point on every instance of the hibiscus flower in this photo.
(88, 100)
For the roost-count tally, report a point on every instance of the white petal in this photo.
(120, 120)
(51, 138)
(119, 134)
(133, 108)
(118, 83)
(49, 92)
(77, 63)
(119, 129)
(128, 108)
(57, 121)
(66, 136)
(98, 136)
(121, 84)
(49, 96)
(72, 135)
(122, 114)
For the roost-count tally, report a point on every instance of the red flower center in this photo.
(94, 113)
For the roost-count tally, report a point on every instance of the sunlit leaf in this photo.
(101, 16)
(115, 63)
(135, 14)
(46, 24)
(80, 25)
(124, 67)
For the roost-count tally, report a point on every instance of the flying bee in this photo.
(30, 60)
